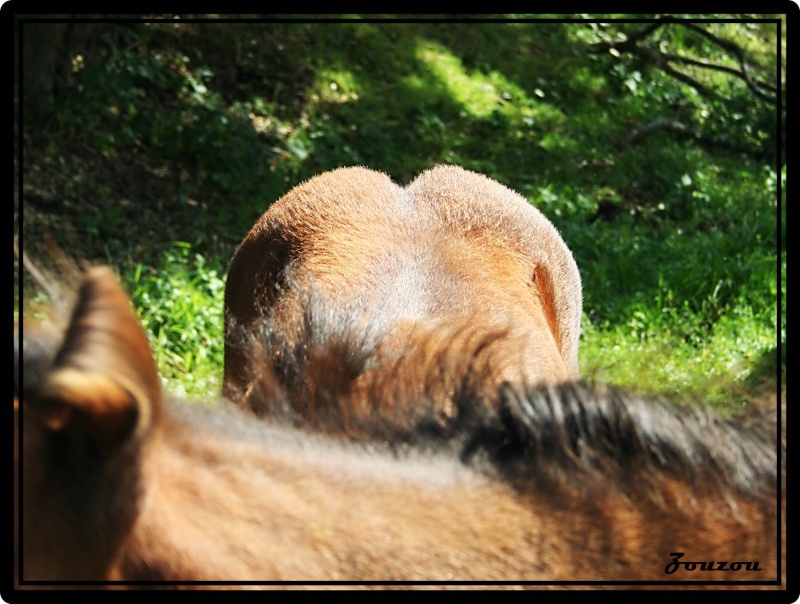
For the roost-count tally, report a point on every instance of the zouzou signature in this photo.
(708, 566)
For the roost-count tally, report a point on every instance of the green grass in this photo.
(180, 307)
(679, 245)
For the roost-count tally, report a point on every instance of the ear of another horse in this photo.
(104, 387)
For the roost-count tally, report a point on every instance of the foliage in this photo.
(186, 131)
(180, 307)
(712, 85)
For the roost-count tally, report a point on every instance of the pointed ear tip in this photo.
(103, 276)
(100, 271)
(106, 335)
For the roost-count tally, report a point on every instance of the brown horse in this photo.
(452, 259)
(564, 483)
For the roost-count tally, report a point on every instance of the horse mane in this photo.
(577, 434)
(583, 433)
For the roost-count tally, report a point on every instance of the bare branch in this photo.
(753, 84)
(727, 45)
(679, 75)
(685, 131)
(744, 60)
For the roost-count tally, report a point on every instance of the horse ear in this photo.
(104, 386)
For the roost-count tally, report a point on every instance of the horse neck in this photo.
(258, 508)
(211, 509)
(216, 509)
(634, 530)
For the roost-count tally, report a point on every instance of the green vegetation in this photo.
(167, 140)
(180, 306)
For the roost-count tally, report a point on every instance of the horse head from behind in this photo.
(390, 280)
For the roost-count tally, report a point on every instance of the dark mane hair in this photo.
(577, 433)
(588, 434)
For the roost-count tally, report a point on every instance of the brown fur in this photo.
(562, 483)
(452, 255)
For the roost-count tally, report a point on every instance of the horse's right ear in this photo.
(104, 387)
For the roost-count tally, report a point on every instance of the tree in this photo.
(49, 44)
(734, 96)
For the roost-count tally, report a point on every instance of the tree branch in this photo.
(684, 131)
(679, 75)
(662, 60)
(744, 62)
(715, 67)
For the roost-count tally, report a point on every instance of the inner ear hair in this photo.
(88, 406)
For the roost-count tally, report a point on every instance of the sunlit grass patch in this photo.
(180, 305)
(659, 360)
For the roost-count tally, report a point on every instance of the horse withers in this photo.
(557, 485)
(400, 276)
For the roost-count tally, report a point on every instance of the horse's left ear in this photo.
(104, 386)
